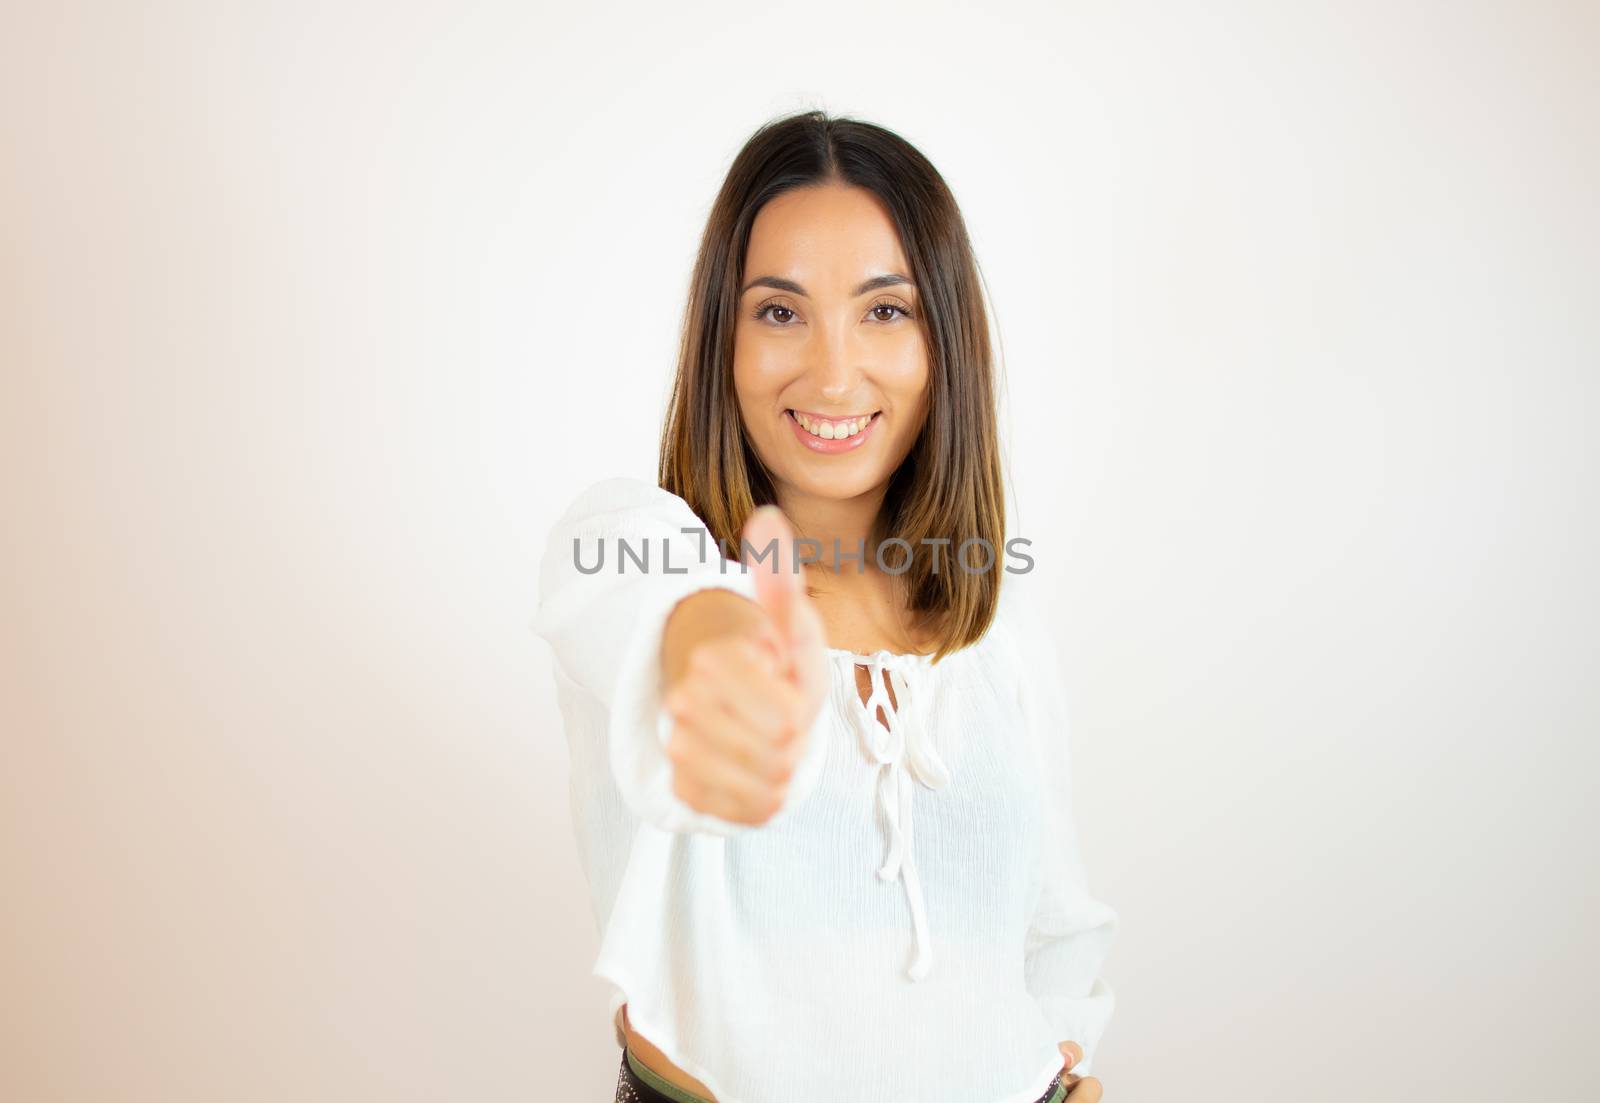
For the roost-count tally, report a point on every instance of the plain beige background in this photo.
(313, 316)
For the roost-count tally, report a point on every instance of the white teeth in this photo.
(831, 430)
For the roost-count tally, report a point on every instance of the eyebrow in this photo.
(892, 279)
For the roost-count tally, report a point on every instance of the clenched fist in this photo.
(743, 707)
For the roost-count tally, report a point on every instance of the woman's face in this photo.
(829, 361)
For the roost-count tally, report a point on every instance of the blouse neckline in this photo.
(904, 755)
(882, 655)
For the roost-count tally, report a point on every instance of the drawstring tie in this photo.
(902, 753)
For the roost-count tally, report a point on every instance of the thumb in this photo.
(781, 592)
(768, 552)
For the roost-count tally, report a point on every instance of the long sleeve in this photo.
(604, 627)
(1070, 933)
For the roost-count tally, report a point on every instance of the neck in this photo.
(848, 521)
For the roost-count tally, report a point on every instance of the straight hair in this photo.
(950, 486)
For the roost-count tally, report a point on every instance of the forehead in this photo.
(825, 237)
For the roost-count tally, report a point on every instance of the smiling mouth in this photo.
(838, 428)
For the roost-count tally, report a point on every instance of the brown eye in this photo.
(895, 307)
(765, 308)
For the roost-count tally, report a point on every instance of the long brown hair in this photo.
(949, 485)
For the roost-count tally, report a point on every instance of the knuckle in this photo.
(758, 760)
(713, 682)
(771, 768)
(740, 757)
(744, 811)
(770, 725)
(789, 697)
(698, 687)
(793, 749)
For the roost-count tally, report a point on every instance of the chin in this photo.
(840, 484)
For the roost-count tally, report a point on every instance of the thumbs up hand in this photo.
(801, 642)
(744, 706)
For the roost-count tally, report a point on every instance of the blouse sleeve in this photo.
(604, 626)
(1070, 932)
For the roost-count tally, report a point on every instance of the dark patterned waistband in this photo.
(638, 1084)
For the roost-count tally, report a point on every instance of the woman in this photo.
(753, 735)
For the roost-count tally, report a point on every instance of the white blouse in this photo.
(914, 922)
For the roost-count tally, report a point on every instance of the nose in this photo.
(834, 369)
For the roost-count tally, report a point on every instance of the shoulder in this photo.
(617, 516)
(1027, 630)
(618, 502)
(633, 511)
(1018, 619)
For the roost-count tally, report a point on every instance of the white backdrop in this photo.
(315, 314)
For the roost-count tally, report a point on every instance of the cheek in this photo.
(757, 381)
(758, 372)
(905, 375)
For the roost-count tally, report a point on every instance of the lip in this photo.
(815, 416)
(831, 447)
